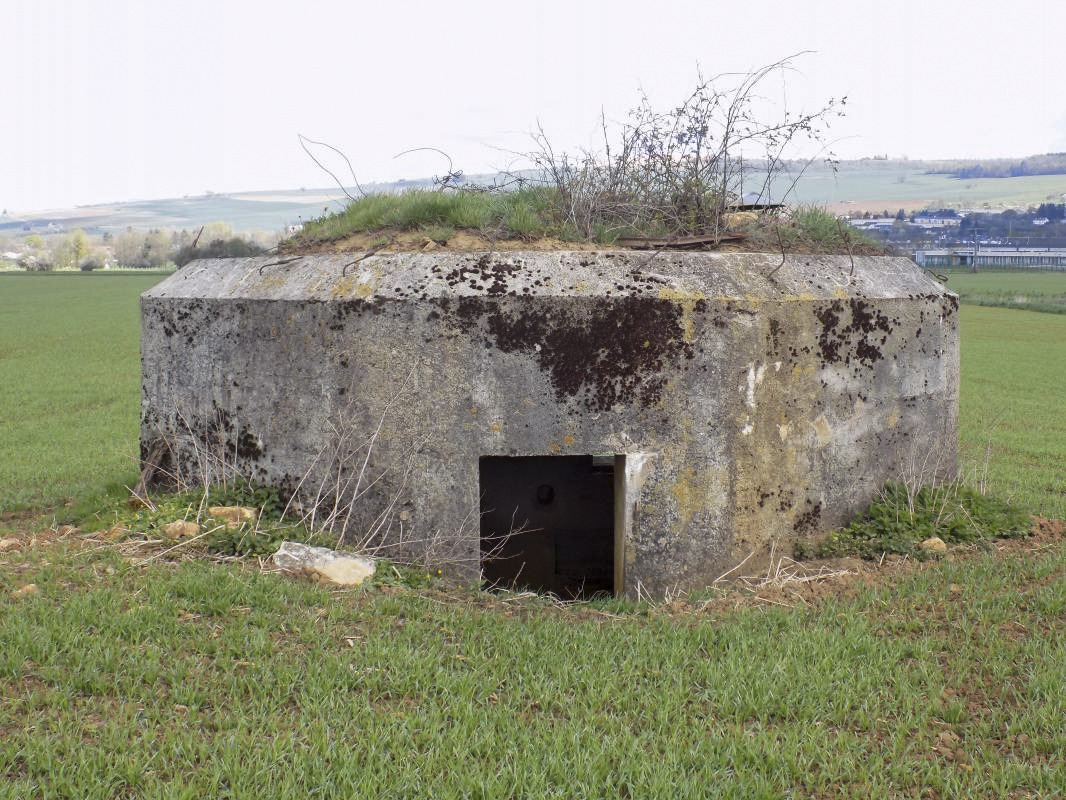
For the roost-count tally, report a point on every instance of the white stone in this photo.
(934, 544)
(342, 569)
(180, 529)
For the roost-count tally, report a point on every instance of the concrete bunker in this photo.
(729, 401)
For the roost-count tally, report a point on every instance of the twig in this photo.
(367, 254)
(277, 263)
(303, 139)
(781, 243)
(847, 243)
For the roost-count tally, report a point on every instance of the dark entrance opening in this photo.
(547, 524)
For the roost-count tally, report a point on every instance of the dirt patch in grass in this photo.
(768, 580)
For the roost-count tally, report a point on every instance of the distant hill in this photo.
(867, 184)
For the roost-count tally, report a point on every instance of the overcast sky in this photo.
(123, 99)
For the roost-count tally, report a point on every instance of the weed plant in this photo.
(902, 517)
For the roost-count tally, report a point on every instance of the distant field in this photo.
(69, 389)
(69, 383)
(1034, 291)
(855, 185)
(899, 184)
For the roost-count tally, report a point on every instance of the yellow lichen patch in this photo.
(696, 490)
(893, 418)
(496, 426)
(686, 299)
(272, 281)
(568, 440)
(344, 286)
(822, 430)
(352, 284)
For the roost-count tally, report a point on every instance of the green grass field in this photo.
(69, 384)
(1034, 291)
(876, 186)
(198, 679)
(1013, 404)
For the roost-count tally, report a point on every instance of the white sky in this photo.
(121, 99)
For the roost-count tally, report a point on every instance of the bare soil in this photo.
(463, 241)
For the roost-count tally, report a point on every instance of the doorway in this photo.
(548, 524)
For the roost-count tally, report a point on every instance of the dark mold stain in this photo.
(859, 339)
(602, 355)
(807, 522)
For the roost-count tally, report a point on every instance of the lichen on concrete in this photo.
(761, 405)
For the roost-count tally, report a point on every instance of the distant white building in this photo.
(937, 222)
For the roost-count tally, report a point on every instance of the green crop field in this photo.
(872, 185)
(1033, 290)
(199, 680)
(125, 675)
(69, 384)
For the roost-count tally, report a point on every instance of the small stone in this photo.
(116, 533)
(323, 564)
(25, 591)
(9, 544)
(233, 516)
(180, 529)
(934, 544)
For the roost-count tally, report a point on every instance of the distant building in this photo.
(1018, 257)
(936, 222)
(876, 223)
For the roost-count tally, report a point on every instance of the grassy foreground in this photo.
(127, 677)
(196, 680)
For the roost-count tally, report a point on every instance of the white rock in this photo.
(934, 544)
(180, 529)
(233, 516)
(342, 569)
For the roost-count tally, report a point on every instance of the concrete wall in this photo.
(752, 409)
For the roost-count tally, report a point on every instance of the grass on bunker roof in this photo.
(472, 219)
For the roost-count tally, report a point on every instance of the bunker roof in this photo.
(607, 273)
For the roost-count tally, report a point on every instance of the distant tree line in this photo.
(134, 248)
(1049, 164)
